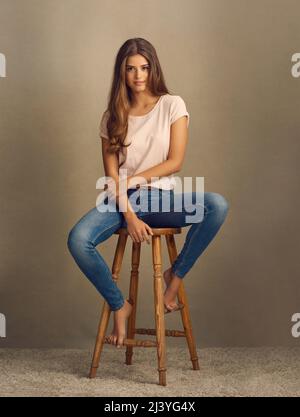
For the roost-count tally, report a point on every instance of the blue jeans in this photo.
(96, 227)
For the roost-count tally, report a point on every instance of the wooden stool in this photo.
(160, 332)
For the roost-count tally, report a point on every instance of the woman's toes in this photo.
(120, 342)
(171, 306)
(111, 339)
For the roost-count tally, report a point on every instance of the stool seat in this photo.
(156, 231)
(160, 332)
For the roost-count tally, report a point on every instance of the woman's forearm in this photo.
(163, 169)
(120, 199)
(126, 207)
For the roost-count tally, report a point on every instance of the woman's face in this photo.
(137, 70)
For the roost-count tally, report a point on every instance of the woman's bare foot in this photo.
(172, 285)
(117, 336)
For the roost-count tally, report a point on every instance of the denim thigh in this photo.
(98, 224)
(165, 208)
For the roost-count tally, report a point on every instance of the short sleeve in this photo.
(103, 126)
(178, 109)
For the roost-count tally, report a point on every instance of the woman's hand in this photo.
(138, 230)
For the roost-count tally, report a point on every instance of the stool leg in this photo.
(133, 292)
(185, 312)
(159, 310)
(119, 253)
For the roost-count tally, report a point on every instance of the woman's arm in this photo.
(178, 143)
(137, 229)
(111, 169)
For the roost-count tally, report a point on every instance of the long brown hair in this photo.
(120, 96)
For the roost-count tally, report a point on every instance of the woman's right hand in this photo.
(138, 230)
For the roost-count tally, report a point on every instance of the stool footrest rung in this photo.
(171, 333)
(136, 343)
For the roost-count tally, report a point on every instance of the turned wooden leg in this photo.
(185, 312)
(159, 309)
(133, 292)
(117, 262)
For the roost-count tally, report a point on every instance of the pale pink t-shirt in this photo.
(150, 139)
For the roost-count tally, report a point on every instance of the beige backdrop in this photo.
(231, 63)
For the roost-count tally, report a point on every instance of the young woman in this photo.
(144, 133)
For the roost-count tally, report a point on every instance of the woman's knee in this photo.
(93, 229)
(77, 238)
(218, 203)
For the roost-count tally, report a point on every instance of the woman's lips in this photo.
(139, 82)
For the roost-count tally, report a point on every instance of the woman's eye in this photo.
(130, 68)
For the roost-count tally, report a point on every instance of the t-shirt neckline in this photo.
(147, 114)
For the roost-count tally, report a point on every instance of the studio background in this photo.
(231, 63)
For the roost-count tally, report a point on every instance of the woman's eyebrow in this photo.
(134, 66)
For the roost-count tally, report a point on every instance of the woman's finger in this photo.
(140, 236)
(149, 230)
(146, 235)
(137, 238)
(133, 236)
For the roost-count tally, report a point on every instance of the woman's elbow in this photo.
(177, 166)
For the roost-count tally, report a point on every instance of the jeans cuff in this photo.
(177, 273)
(117, 308)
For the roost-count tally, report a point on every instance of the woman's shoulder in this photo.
(175, 107)
(103, 133)
(172, 102)
(173, 98)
